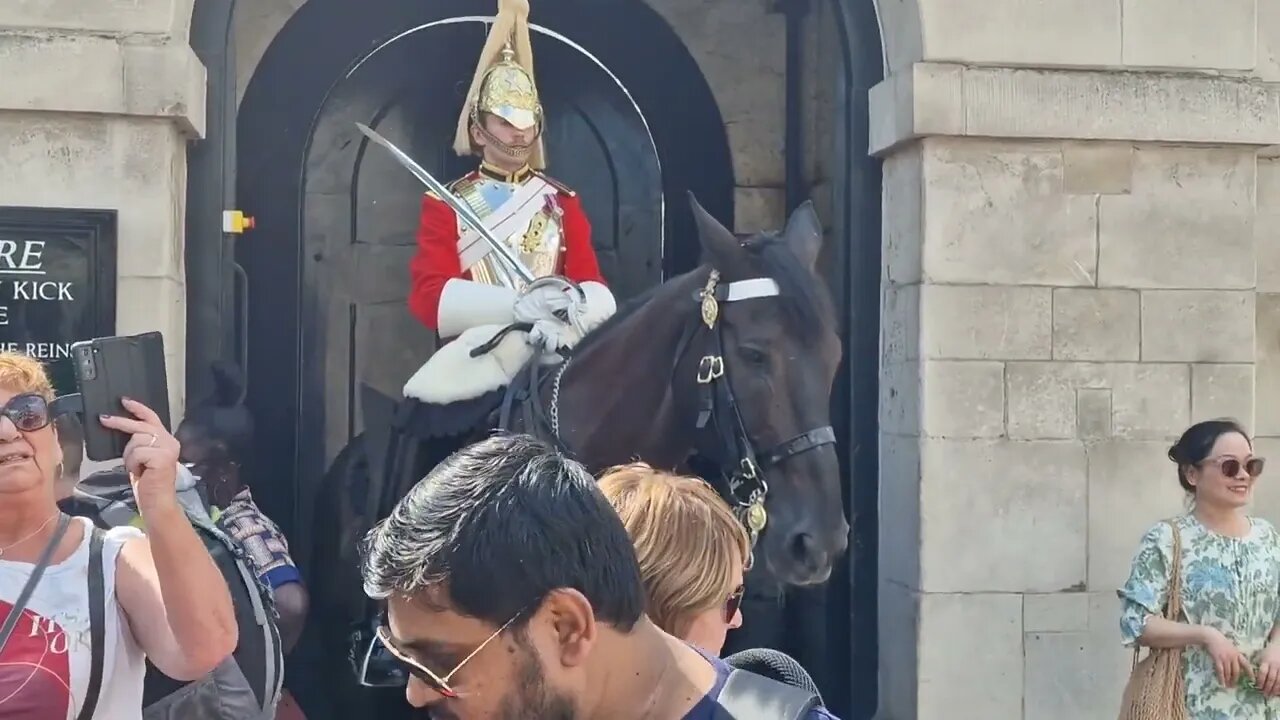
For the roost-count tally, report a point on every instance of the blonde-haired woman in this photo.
(165, 599)
(692, 551)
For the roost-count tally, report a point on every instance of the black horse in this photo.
(731, 363)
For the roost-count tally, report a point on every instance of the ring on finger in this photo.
(153, 440)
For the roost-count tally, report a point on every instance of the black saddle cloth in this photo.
(430, 421)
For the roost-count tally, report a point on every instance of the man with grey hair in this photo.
(513, 592)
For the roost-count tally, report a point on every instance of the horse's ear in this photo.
(804, 234)
(719, 246)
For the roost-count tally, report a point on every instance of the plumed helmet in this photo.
(503, 83)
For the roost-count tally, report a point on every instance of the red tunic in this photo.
(437, 261)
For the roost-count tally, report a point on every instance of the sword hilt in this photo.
(562, 314)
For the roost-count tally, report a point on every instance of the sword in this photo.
(455, 203)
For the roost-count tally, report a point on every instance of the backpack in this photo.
(246, 685)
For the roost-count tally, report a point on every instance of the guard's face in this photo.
(462, 668)
(506, 132)
(502, 143)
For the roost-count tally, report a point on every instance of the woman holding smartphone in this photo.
(165, 600)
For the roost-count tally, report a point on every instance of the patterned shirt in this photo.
(260, 538)
(1228, 583)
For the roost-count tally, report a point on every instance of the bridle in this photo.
(718, 407)
(719, 419)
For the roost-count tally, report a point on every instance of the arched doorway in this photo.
(327, 263)
(323, 205)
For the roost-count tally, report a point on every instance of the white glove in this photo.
(548, 336)
(544, 301)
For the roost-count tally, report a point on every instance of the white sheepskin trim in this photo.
(451, 374)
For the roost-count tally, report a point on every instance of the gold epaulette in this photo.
(456, 187)
(564, 189)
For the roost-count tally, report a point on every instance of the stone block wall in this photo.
(1079, 261)
(1055, 313)
(96, 106)
(747, 79)
(1266, 232)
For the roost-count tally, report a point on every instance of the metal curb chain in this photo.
(555, 396)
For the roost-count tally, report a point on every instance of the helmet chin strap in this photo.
(517, 152)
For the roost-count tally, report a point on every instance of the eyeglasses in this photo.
(28, 412)
(437, 683)
(733, 604)
(1231, 466)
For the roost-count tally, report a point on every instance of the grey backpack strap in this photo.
(748, 696)
(97, 624)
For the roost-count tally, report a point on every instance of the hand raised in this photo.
(150, 456)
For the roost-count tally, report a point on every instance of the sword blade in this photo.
(455, 203)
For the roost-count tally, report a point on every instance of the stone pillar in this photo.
(1072, 260)
(747, 79)
(97, 103)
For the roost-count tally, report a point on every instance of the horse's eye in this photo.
(755, 356)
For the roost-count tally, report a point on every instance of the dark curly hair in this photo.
(223, 416)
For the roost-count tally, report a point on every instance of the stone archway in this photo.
(276, 131)
(303, 175)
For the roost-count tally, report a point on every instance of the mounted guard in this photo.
(463, 286)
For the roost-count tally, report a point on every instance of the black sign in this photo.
(57, 283)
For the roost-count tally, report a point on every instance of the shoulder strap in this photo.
(24, 597)
(748, 696)
(97, 624)
(561, 187)
(1173, 605)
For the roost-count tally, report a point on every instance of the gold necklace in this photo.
(34, 533)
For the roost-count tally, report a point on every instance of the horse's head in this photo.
(780, 353)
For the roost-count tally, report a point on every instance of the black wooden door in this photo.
(596, 142)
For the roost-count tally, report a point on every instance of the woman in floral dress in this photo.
(1230, 581)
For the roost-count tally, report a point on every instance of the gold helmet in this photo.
(503, 83)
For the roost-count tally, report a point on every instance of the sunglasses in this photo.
(28, 412)
(375, 674)
(1231, 466)
(733, 604)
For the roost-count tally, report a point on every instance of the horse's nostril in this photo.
(803, 547)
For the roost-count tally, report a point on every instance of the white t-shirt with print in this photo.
(44, 668)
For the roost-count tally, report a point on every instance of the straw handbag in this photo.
(1157, 687)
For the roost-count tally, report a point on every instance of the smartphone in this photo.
(108, 369)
